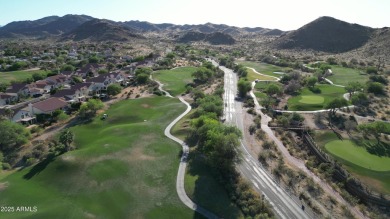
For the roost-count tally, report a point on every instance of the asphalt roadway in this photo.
(284, 205)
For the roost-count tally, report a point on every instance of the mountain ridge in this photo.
(101, 30)
(326, 34)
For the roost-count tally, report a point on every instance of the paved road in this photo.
(183, 162)
(297, 162)
(283, 205)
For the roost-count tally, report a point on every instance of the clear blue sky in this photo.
(281, 14)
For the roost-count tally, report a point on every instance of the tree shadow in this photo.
(39, 167)
(208, 191)
(380, 149)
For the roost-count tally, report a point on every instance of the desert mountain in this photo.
(379, 44)
(101, 30)
(326, 34)
(52, 25)
(66, 26)
(202, 28)
(216, 38)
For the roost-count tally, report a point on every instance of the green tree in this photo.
(88, 110)
(114, 89)
(371, 70)
(143, 70)
(171, 55)
(311, 81)
(336, 104)
(273, 89)
(324, 67)
(66, 138)
(352, 87)
(244, 87)
(331, 61)
(211, 104)
(217, 142)
(38, 76)
(67, 67)
(110, 66)
(17, 66)
(379, 78)
(375, 129)
(102, 71)
(3, 86)
(142, 78)
(202, 75)
(375, 88)
(12, 136)
(77, 79)
(93, 59)
(360, 100)
(8, 113)
(241, 70)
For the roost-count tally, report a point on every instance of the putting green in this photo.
(349, 151)
(311, 99)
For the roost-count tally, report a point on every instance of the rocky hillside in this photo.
(101, 30)
(378, 45)
(202, 28)
(216, 38)
(52, 25)
(326, 34)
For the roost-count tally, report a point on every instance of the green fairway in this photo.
(342, 75)
(307, 100)
(124, 167)
(264, 68)
(371, 169)
(358, 155)
(19, 76)
(253, 76)
(310, 99)
(176, 79)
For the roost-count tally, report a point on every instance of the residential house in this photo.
(22, 114)
(45, 85)
(58, 80)
(89, 70)
(19, 112)
(48, 106)
(22, 89)
(67, 73)
(104, 80)
(77, 93)
(8, 98)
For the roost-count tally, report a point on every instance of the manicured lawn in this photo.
(7, 77)
(176, 79)
(124, 167)
(253, 76)
(200, 183)
(310, 99)
(359, 158)
(342, 75)
(261, 85)
(183, 127)
(264, 68)
(307, 100)
(358, 155)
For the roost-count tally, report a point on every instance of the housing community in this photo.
(22, 102)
